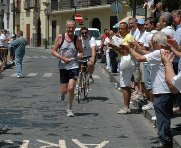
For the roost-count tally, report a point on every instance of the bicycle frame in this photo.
(83, 81)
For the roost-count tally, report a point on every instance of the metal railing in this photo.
(69, 4)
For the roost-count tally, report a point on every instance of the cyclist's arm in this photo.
(79, 47)
(92, 44)
(93, 50)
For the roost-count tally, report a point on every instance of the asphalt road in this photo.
(30, 107)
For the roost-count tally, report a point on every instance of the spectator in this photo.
(134, 31)
(165, 21)
(108, 40)
(162, 95)
(173, 80)
(158, 26)
(103, 37)
(11, 48)
(19, 46)
(139, 75)
(127, 66)
(150, 24)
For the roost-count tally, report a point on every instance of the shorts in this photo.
(66, 75)
(147, 75)
(125, 76)
(139, 73)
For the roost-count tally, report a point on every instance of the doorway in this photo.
(38, 42)
(28, 33)
(96, 23)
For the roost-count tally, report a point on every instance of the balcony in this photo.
(29, 4)
(69, 4)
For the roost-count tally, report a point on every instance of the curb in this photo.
(148, 114)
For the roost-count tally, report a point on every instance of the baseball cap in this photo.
(141, 21)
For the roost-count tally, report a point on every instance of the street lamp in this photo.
(2, 7)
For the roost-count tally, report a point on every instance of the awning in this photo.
(126, 20)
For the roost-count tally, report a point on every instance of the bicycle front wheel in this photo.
(80, 87)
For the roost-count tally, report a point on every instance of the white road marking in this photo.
(95, 76)
(27, 57)
(9, 141)
(32, 74)
(14, 75)
(47, 75)
(44, 57)
(35, 57)
(25, 144)
(83, 145)
(61, 144)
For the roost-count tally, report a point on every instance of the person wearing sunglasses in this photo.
(89, 50)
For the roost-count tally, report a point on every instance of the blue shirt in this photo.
(19, 46)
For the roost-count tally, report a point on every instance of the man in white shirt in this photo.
(106, 42)
(134, 31)
(162, 95)
(143, 49)
(173, 80)
(89, 50)
(166, 21)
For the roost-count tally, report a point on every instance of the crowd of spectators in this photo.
(148, 55)
(5, 49)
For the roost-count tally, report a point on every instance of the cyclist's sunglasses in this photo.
(84, 33)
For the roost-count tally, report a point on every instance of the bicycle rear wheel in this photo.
(86, 84)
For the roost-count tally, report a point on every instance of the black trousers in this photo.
(163, 111)
(113, 61)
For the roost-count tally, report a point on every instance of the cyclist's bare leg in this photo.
(90, 68)
(71, 86)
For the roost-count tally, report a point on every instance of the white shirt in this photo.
(140, 37)
(5, 43)
(106, 41)
(2, 37)
(135, 33)
(148, 38)
(169, 31)
(87, 44)
(177, 81)
(117, 40)
(159, 85)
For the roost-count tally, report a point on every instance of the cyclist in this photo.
(68, 49)
(89, 50)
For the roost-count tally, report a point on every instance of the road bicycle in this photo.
(83, 81)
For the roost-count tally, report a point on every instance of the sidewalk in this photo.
(175, 121)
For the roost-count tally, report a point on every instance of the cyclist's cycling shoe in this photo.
(91, 80)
